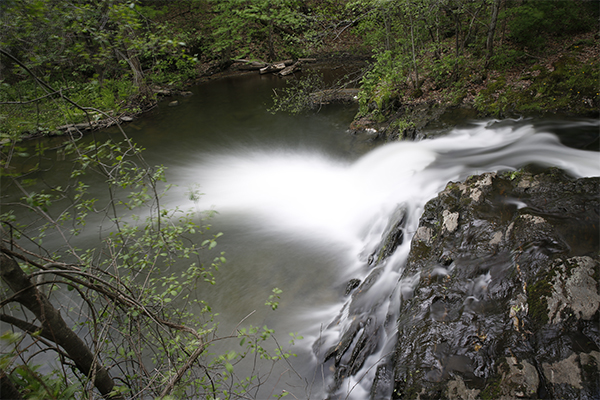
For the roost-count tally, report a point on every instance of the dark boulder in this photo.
(507, 299)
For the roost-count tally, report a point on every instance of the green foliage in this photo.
(37, 385)
(298, 96)
(42, 117)
(102, 55)
(571, 85)
(273, 300)
(43, 386)
(381, 24)
(401, 125)
(254, 29)
(436, 48)
(56, 37)
(530, 22)
(506, 58)
(444, 71)
(380, 86)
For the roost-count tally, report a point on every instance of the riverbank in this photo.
(562, 82)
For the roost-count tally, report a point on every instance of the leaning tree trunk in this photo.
(53, 327)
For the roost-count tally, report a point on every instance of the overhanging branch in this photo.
(54, 327)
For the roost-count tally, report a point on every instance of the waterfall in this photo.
(313, 197)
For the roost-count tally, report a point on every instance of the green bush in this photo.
(443, 70)
(530, 22)
(380, 87)
(506, 58)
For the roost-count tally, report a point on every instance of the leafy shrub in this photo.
(530, 22)
(443, 70)
(380, 86)
(507, 58)
(298, 96)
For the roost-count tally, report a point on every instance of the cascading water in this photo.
(327, 202)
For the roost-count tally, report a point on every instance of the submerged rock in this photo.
(507, 301)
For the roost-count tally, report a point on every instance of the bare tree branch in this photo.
(173, 381)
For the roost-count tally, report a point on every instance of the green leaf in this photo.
(229, 368)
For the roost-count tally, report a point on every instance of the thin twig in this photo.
(34, 100)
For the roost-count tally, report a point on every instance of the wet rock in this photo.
(450, 220)
(566, 371)
(457, 390)
(352, 284)
(383, 382)
(392, 237)
(574, 290)
(173, 103)
(423, 234)
(364, 331)
(519, 379)
(507, 298)
(162, 92)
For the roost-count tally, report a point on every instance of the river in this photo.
(301, 202)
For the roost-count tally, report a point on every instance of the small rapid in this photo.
(323, 201)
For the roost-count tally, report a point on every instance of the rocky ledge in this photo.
(507, 300)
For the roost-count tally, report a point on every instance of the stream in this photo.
(302, 203)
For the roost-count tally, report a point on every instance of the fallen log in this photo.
(335, 95)
(297, 66)
(272, 68)
(253, 66)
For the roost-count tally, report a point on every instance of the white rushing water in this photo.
(314, 198)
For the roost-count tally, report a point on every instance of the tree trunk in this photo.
(7, 389)
(271, 42)
(54, 327)
(457, 34)
(414, 54)
(503, 4)
(467, 39)
(489, 44)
